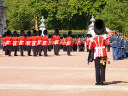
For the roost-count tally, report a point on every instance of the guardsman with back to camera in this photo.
(15, 41)
(56, 40)
(82, 43)
(40, 43)
(113, 41)
(69, 43)
(108, 44)
(79, 42)
(50, 45)
(75, 43)
(29, 43)
(87, 42)
(64, 42)
(124, 40)
(45, 42)
(34, 43)
(119, 46)
(22, 42)
(100, 54)
(8, 40)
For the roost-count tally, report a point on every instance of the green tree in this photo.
(20, 14)
(115, 15)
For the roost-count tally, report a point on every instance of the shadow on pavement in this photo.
(115, 82)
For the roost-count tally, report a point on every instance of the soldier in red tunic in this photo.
(69, 43)
(29, 43)
(100, 54)
(40, 43)
(34, 43)
(45, 42)
(15, 41)
(50, 45)
(22, 42)
(56, 41)
(87, 42)
(8, 41)
(79, 42)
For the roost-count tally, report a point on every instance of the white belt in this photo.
(99, 47)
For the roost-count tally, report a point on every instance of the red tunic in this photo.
(69, 41)
(63, 41)
(8, 40)
(34, 40)
(108, 41)
(87, 41)
(3, 42)
(50, 41)
(78, 42)
(22, 40)
(45, 41)
(29, 41)
(56, 40)
(98, 42)
(40, 42)
(15, 41)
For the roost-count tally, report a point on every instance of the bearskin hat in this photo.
(89, 35)
(22, 33)
(40, 32)
(64, 35)
(49, 36)
(34, 33)
(99, 27)
(69, 33)
(8, 33)
(56, 32)
(29, 33)
(45, 32)
(15, 33)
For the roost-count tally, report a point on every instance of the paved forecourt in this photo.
(60, 76)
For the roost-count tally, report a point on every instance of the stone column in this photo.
(2, 18)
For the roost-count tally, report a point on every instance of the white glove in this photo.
(107, 30)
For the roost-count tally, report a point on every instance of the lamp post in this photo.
(91, 27)
(2, 18)
(42, 26)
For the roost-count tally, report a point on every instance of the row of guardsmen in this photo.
(119, 45)
(37, 43)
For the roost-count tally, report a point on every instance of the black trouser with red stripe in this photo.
(34, 50)
(64, 48)
(56, 49)
(45, 48)
(8, 50)
(50, 47)
(15, 50)
(100, 70)
(87, 48)
(40, 49)
(69, 49)
(29, 50)
(22, 50)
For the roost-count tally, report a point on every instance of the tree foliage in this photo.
(115, 15)
(66, 14)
